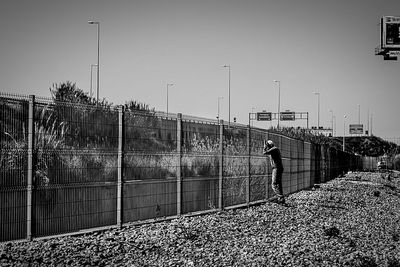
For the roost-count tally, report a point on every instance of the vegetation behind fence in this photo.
(71, 167)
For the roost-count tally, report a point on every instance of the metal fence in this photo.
(68, 167)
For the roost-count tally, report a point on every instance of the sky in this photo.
(324, 46)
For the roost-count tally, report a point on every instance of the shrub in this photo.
(48, 140)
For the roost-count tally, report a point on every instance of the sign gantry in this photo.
(283, 116)
(390, 38)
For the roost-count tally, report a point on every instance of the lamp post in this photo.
(98, 55)
(252, 111)
(91, 78)
(359, 119)
(344, 131)
(334, 125)
(372, 114)
(331, 111)
(368, 123)
(317, 93)
(279, 100)
(229, 93)
(168, 85)
(219, 98)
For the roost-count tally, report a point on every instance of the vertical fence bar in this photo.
(304, 164)
(179, 164)
(248, 165)
(120, 164)
(267, 168)
(221, 163)
(29, 188)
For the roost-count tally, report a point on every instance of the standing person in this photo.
(277, 169)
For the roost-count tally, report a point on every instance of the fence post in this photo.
(179, 164)
(120, 164)
(284, 188)
(304, 164)
(29, 189)
(267, 168)
(248, 165)
(221, 163)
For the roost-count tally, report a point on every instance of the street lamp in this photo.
(334, 125)
(317, 93)
(252, 111)
(368, 123)
(359, 118)
(370, 133)
(91, 78)
(168, 85)
(344, 132)
(219, 98)
(229, 94)
(279, 99)
(98, 55)
(331, 111)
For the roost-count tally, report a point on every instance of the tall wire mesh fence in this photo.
(13, 166)
(70, 167)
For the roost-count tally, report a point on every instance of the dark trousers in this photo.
(277, 182)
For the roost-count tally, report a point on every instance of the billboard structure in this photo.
(356, 129)
(390, 27)
(390, 38)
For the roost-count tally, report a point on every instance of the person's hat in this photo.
(270, 143)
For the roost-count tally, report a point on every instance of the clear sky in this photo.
(324, 46)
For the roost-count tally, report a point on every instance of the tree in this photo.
(68, 92)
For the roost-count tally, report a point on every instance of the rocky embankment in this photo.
(350, 221)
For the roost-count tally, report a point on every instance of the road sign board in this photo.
(389, 57)
(390, 32)
(356, 128)
(264, 116)
(394, 53)
(287, 116)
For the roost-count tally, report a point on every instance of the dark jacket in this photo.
(275, 157)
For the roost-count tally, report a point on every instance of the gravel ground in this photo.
(350, 221)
